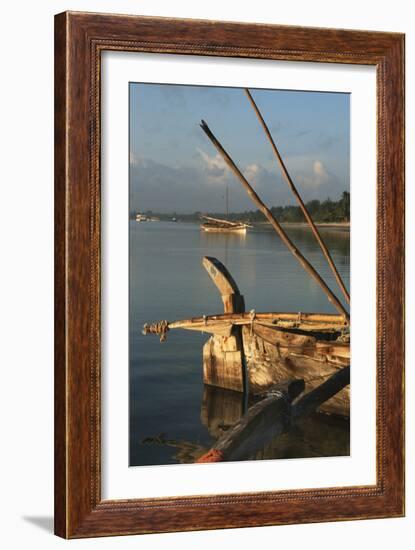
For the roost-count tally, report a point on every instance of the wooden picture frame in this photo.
(79, 40)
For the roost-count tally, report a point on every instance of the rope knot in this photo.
(161, 328)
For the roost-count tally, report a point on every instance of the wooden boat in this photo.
(252, 351)
(217, 225)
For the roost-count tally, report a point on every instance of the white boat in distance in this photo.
(217, 225)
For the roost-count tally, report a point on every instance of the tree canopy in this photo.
(325, 211)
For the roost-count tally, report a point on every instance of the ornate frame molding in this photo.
(79, 40)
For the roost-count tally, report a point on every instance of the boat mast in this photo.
(227, 201)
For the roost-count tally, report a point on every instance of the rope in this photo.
(344, 335)
(161, 328)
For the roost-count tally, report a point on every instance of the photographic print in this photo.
(239, 232)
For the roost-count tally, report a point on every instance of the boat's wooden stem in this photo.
(233, 301)
(276, 225)
(301, 204)
(223, 355)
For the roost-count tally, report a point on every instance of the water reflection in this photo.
(220, 409)
(337, 239)
(223, 240)
(317, 435)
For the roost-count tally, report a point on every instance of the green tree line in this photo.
(326, 211)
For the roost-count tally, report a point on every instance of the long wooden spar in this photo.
(225, 222)
(275, 414)
(213, 323)
(301, 204)
(276, 225)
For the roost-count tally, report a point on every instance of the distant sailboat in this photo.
(219, 225)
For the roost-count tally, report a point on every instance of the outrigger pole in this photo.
(291, 185)
(276, 225)
(274, 415)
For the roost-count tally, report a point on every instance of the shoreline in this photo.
(328, 225)
(341, 225)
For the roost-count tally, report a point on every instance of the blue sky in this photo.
(174, 167)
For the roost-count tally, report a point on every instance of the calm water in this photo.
(173, 417)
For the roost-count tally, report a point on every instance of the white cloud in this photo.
(137, 160)
(251, 172)
(315, 177)
(214, 166)
(217, 170)
(320, 172)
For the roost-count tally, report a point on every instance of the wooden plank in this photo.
(220, 409)
(314, 399)
(222, 323)
(273, 317)
(263, 421)
(273, 416)
(226, 222)
(222, 367)
(283, 338)
(267, 364)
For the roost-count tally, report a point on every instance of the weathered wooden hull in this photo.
(228, 229)
(313, 361)
(268, 355)
(250, 353)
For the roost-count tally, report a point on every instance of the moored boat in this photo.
(252, 351)
(217, 225)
